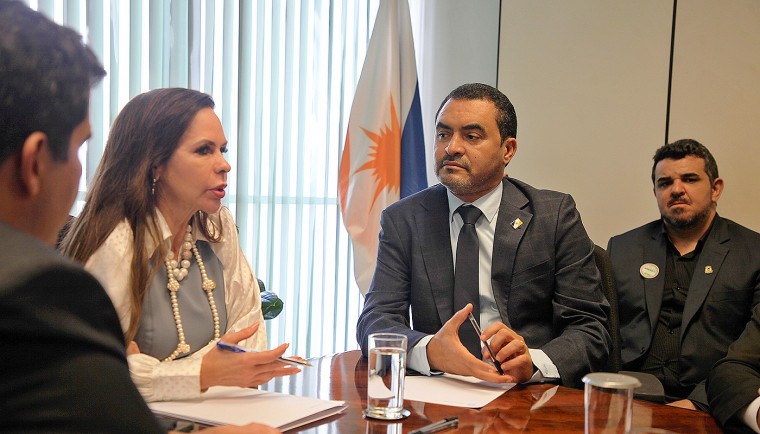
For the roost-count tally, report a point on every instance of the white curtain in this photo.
(282, 74)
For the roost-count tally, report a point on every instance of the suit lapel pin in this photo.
(708, 269)
(516, 223)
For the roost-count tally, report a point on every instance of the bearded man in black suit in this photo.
(687, 282)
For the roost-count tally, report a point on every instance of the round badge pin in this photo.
(649, 271)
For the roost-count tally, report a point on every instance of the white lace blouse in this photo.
(180, 379)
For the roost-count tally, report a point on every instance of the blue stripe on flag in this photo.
(413, 177)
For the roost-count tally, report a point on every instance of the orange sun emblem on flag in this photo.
(385, 156)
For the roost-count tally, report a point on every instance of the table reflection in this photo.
(536, 408)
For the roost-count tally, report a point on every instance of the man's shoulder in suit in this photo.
(731, 228)
(22, 255)
(735, 229)
(437, 190)
(540, 200)
(533, 192)
(63, 346)
(37, 278)
(645, 230)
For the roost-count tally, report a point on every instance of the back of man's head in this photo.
(45, 77)
(682, 148)
(506, 118)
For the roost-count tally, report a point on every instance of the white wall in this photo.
(589, 83)
(456, 42)
(589, 80)
(716, 95)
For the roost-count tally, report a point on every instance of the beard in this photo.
(679, 222)
(465, 185)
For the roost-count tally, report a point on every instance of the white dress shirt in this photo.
(750, 415)
(489, 311)
(180, 379)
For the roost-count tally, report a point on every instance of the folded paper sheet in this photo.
(236, 406)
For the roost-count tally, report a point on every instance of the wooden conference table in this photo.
(344, 377)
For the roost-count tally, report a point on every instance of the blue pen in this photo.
(238, 349)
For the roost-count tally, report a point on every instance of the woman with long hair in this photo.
(154, 233)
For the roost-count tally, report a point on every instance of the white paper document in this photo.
(237, 406)
(454, 390)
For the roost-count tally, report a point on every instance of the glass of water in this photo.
(609, 402)
(385, 376)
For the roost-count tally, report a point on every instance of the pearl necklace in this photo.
(175, 275)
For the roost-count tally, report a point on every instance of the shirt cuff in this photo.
(178, 379)
(544, 365)
(417, 360)
(750, 414)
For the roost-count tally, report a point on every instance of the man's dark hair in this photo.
(506, 118)
(45, 77)
(680, 149)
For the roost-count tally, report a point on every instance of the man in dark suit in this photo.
(64, 365)
(687, 282)
(734, 383)
(531, 278)
(63, 360)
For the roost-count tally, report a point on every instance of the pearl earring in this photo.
(153, 187)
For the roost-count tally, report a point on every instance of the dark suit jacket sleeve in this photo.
(699, 395)
(734, 381)
(64, 364)
(386, 306)
(580, 310)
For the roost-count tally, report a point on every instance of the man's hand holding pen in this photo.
(446, 353)
(510, 350)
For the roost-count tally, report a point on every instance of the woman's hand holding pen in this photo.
(510, 351)
(224, 368)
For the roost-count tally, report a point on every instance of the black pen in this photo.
(449, 422)
(237, 349)
(496, 363)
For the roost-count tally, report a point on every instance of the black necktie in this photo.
(466, 271)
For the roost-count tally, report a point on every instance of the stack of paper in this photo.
(236, 406)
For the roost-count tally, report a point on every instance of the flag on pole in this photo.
(384, 154)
